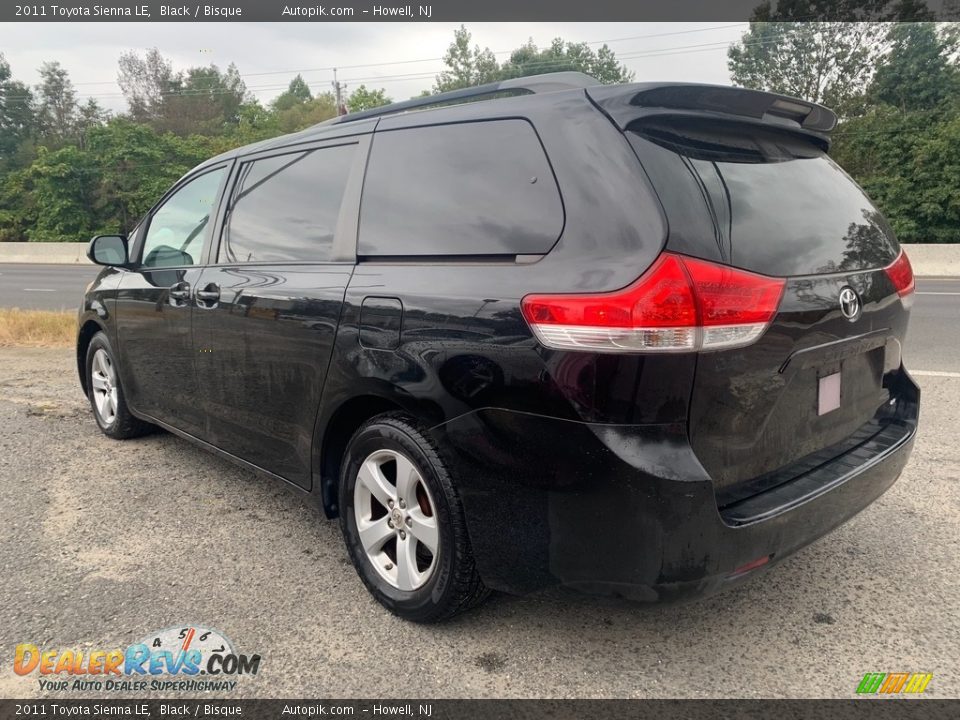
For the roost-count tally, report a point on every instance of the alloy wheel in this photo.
(103, 379)
(396, 520)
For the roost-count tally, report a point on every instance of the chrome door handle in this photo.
(209, 296)
(179, 294)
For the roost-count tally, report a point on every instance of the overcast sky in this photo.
(402, 58)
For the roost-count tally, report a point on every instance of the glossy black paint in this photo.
(603, 472)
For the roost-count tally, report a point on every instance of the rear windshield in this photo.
(771, 203)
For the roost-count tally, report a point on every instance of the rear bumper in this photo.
(628, 510)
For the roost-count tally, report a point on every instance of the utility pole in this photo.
(338, 92)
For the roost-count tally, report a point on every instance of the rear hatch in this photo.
(746, 182)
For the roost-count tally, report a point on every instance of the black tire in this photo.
(454, 584)
(123, 424)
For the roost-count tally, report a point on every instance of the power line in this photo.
(435, 59)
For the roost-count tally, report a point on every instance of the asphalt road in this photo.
(105, 542)
(933, 342)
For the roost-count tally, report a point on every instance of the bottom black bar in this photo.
(894, 708)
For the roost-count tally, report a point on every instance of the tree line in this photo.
(70, 169)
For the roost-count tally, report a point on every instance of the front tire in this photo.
(106, 393)
(403, 522)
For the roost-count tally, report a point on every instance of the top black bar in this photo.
(458, 11)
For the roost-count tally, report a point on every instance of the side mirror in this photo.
(108, 250)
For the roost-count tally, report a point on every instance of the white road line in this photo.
(39, 290)
(935, 373)
(938, 293)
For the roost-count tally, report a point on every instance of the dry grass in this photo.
(37, 328)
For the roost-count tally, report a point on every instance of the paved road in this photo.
(104, 542)
(933, 343)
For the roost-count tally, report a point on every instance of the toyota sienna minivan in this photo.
(640, 340)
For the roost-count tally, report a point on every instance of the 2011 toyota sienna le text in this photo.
(640, 340)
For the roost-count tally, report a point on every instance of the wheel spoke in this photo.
(407, 480)
(375, 534)
(424, 529)
(408, 577)
(372, 478)
(98, 381)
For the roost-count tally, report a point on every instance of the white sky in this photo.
(694, 52)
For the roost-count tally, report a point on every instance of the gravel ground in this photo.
(104, 542)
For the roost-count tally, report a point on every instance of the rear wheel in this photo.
(403, 523)
(106, 393)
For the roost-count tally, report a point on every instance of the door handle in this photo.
(179, 294)
(209, 296)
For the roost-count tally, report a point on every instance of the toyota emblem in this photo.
(849, 303)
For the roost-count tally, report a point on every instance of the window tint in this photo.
(179, 227)
(466, 189)
(777, 202)
(286, 207)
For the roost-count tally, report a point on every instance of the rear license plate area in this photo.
(828, 393)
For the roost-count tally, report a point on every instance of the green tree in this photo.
(145, 83)
(16, 115)
(563, 56)
(297, 93)
(61, 185)
(824, 62)
(470, 66)
(364, 99)
(466, 66)
(917, 73)
(56, 104)
(202, 100)
(89, 116)
(322, 107)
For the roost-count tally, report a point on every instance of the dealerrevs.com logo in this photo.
(187, 658)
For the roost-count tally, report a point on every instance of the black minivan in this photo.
(641, 340)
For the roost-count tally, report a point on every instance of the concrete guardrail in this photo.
(927, 260)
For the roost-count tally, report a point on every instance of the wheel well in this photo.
(89, 329)
(340, 428)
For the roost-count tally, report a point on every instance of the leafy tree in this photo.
(198, 100)
(61, 184)
(322, 107)
(562, 56)
(364, 99)
(89, 116)
(145, 83)
(57, 104)
(917, 73)
(472, 66)
(16, 114)
(825, 62)
(467, 66)
(297, 93)
(204, 100)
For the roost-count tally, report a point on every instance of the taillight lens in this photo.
(679, 304)
(900, 273)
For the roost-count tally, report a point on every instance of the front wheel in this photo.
(403, 522)
(106, 393)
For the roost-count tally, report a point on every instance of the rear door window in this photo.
(285, 207)
(777, 205)
(480, 188)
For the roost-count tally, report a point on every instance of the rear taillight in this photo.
(679, 304)
(900, 273)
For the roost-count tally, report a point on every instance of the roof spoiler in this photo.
(626, 104)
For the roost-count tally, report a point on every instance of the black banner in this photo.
(876, 709)
(462, 10)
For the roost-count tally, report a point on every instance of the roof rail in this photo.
(548, 82)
